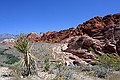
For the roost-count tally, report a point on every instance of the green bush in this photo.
(11, 59)
(46, 64)
(62, 72)
(2, 51)
(106, 65)
(102, 72)
(109, 61)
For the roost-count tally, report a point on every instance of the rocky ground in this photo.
(41, 50)
(5, 74)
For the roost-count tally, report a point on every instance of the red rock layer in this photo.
(90, 27)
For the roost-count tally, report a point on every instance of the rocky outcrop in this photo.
(97, 27)
(95, 36)
(56, 37)
(33, 37)
(81, 46)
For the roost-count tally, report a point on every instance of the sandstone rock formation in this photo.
(33, 37)
(99, 33)
(96, 27)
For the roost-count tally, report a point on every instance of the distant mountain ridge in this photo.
(7, 36)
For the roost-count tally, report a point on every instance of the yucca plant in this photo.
(47, 64)
(28, 63)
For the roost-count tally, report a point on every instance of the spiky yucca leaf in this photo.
(21, 45)
(29, 61)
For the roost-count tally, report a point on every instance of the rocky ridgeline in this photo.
(93, 27)
(102, 34)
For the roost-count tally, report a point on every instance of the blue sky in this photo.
(24, 16)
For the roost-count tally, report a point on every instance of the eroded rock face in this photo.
(56, 37)
(80, 46)
(99, 33)
(59, 54)
(95, 27)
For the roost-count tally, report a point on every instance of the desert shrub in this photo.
(62, 72)
(87, 68)
(106, 65)
(46, 64)
(109, 61)
(11, 59)
(101, 72)
(2, 51)
(115, 62)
